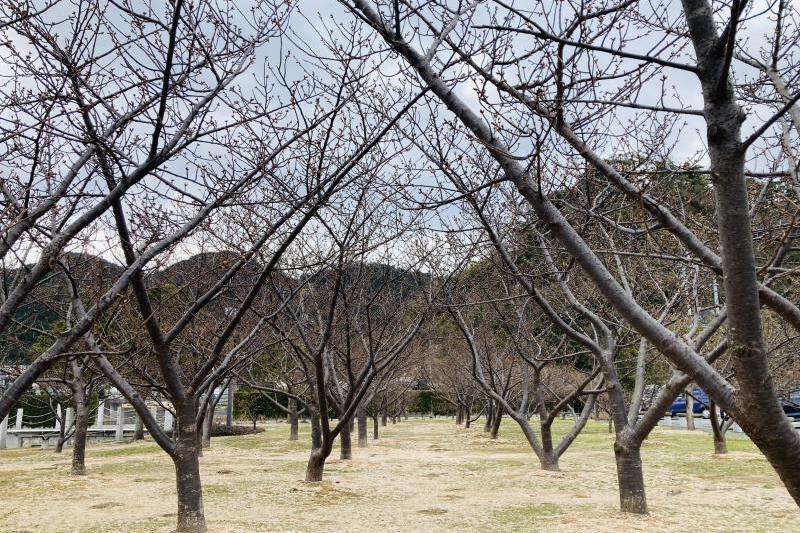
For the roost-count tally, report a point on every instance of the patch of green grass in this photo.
(131, 467)
(217, 489)
(524, 517)
(124, 451)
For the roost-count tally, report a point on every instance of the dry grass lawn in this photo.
(422, 475)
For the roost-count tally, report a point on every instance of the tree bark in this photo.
(630, 477)
(720, 443)
(757, 411)
(496, 419)
(316, 431)
(191, 516)
(548, 459)
(467, 416)
(138, 430)
(208, 421)
(62, 430)
(689, 410)
(81, 427)
(375, 431)
(294, 424)
(316, 465)
(361, 418)
(346, 445)
(384, 419)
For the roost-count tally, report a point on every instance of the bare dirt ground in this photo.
(422, 475)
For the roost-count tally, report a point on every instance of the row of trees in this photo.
(483, 197)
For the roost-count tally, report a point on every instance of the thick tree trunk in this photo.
(496, 419)
(459, 415)
(191, 517)
(316, 431)
(138, 430)
(294, 423)
(375, 431)
(630, 476)
(759, 414)
(316, 465)
(345, 444)
(487, 427)
(689, 411)
(361, 418)
(467, 415)
(548, 458)
(81, 429)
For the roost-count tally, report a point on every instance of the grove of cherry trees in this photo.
(537, 210)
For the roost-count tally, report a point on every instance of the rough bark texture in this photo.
(496, 419)
(316, 465)
(630, 478)
(346, 445)
(81, 428)
(138, 430)
(361, 419)
(758, 412)
(191, 517)
(548, 458)
(316, 431)
(375, 428)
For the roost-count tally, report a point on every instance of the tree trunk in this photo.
(207, 425)
(316, 465)
(632, 498)
(138, 430)
(375, 432)
(548, 459)
(384, 419)
(191, 517)
(62, 430)
(459, 415)
(346, 446)
(720, 443)
(760, 415)
(316, 432)
(496, 419)
(487, 427)
(229, 406)
(294, 424)
(467, 415)
(81, 429)
(361, 418)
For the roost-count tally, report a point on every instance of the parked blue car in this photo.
(791, 405)
(700, 405)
